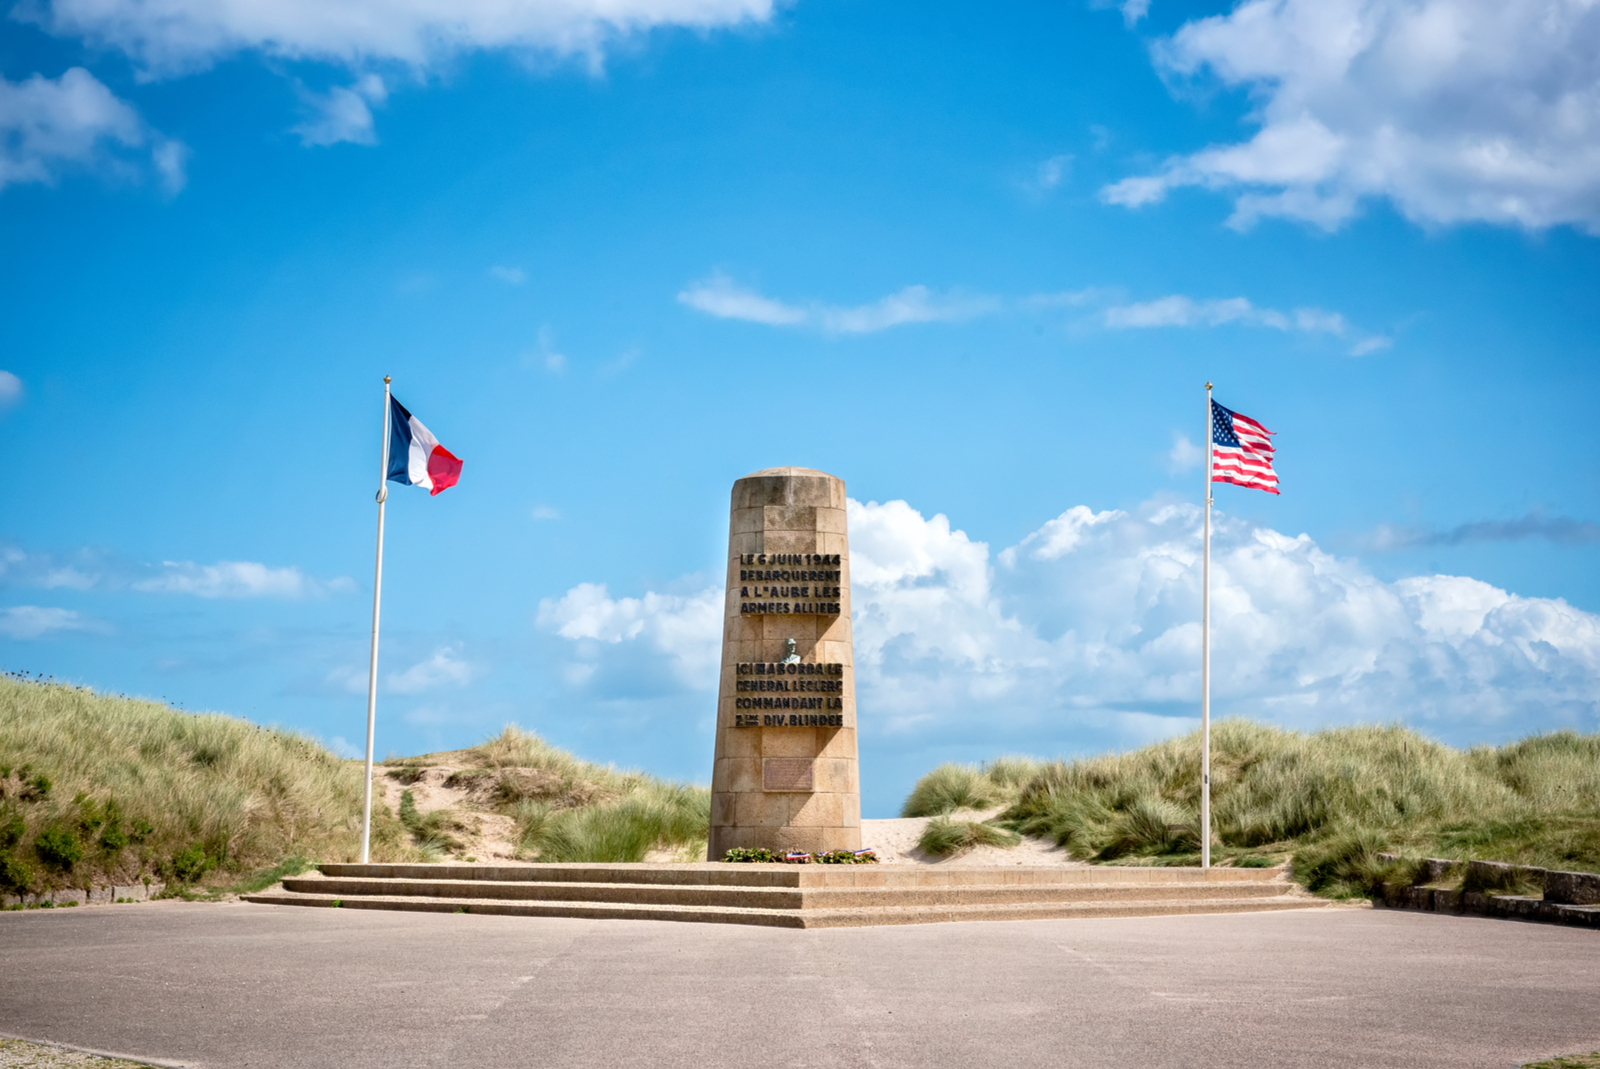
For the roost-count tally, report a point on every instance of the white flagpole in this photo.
(1205, 659)
(372, 667)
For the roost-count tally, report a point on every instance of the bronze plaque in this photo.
(786, 774)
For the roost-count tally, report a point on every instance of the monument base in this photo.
(793, 896)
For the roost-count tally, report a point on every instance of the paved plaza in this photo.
(263, 986)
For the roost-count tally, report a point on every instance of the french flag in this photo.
(415, 456)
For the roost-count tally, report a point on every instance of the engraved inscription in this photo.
(791, 583)
(787, 774)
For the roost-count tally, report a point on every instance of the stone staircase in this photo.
(791, 896)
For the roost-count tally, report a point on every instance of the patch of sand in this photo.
(895, 843)
(487, 837)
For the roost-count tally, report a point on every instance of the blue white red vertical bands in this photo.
(1241, 451)
(415, 456)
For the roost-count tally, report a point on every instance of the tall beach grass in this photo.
(1333, 798)
(98, 789)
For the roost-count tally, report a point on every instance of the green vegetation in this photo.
(952, 787)
(25, 1055)
(564, 808)
(98, 789)
(945, 836)
(1571, 1061)
(1333, 800)
(760, 854)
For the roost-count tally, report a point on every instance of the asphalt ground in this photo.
(248, 985)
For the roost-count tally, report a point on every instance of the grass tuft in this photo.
(943, 836)
(951, 787)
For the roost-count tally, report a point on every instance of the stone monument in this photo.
(785, 775)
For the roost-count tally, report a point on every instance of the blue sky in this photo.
(976, 261)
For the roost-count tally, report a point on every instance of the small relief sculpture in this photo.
(789, 654)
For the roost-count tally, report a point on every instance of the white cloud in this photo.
(545, 354)
(685, 629)
(1093, 619)
(721, 297)
(1184, 454)
(342, 747)
(34, 621)
(1453, 110)
(342, 113)
(19, 568)
(1371, 345)
(545, 512)
(175, 36)
(1180, 311)
(1048, 175)
(49, 126)
(10, 389)
(511, 276)
(444, 667)
(237, 579)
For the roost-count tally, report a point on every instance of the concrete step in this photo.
(791, 918)
(760, 897)
(717, 874)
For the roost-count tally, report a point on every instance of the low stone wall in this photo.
(1568, 898)
(86, 896)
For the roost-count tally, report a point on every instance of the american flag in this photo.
(1241, 451)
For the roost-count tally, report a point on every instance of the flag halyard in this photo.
(1241, 451)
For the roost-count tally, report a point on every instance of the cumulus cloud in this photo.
(177, 36)
(683, 629)
(237, 579)
(49, 126)
(1453, 110)
(1560, 529)
(1180, 311)
(343, 113)
(10, 389)
(33, 621)
(443, 668)
(719, 296)
(1093, 620)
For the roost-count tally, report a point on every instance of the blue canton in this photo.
(1222, 426)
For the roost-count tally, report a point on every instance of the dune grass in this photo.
(98, 789)
(1332, 799)
(651, 816)
(951, 787)
(945, 836)
(569, 809)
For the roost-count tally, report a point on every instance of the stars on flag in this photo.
(1241, 451)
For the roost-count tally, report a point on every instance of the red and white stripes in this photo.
(1241, 451)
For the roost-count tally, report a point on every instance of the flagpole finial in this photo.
(1208, 385)
(387, 380)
